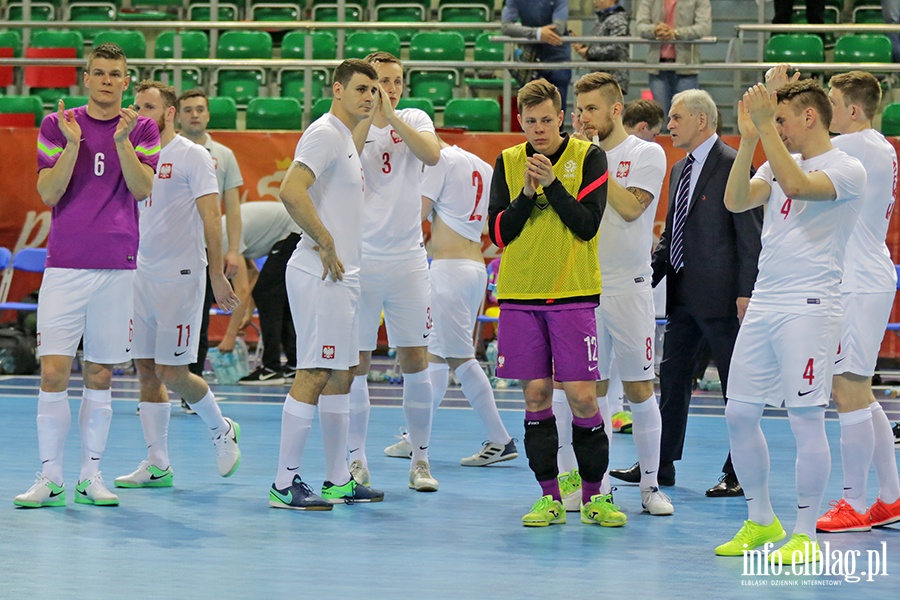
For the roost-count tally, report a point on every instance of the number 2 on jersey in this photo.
(478, 184)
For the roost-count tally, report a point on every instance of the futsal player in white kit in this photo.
(455, 197)
(323, 192)
(868, 287)
(95, 162)
(785, 349)
(394, 271)
(626, 316)
(180, 224)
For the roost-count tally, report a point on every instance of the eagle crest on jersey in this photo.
(547, 260)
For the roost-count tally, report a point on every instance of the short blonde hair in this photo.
(537, 92)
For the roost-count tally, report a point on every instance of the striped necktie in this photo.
(676, 255)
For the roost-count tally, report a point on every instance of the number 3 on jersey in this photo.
(386, 168)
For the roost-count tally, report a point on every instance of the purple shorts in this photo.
(535, 344)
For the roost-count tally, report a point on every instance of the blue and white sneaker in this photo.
(297, 496)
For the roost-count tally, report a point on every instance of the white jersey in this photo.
(803, 242)
(263, 224)
(327, 148)
(393, 207)
(228, 173)
(868, 267)
(172, 237)
(459, 186)
(625, 249)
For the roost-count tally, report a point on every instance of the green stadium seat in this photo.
(10, 47)
(322, 106)
(291, 84)
(868, 15)
(423, 104)
(398, 11)
(194, 44)
(795, 48)
(465, 13)
(437, 84)
(222, 113)
(275, 11)
(21, 111)
(56, 39)
(474, 114)
(890, 119)
(242, 84)
(144, 14)
(486, 51)
(863, 48)
(362, 43)
(40, 11)
(12, 39)
(203, 12)
(275, 113)
(76, 101)
(324, 45)
(326, 10)
(132, 42)
(90, 11)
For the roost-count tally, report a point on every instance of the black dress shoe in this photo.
(728, 486)
(665, 476)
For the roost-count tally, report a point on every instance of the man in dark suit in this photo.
(709, 258)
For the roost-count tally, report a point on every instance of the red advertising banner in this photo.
(264, 159)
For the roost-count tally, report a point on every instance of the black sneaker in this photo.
(897, 433)
(186, 408)
(262, 376)
(350, 493)
(289, 373)
(297, 496)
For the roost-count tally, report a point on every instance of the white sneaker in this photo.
(228, 455)
(360, 473)
(491, 453)
(420, 478)
(656, 503)
(43, 493)
(402, 449)
(146, 476)
(93, 491)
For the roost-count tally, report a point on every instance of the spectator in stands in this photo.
(612, 21)
(815, 11)
(545, 21)
(193, 116)
(671, 21)
(643, 119)
(890, 12)
(268, 230)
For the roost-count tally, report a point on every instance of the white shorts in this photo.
(626, 327)
(784, 358)
(457, 291)
(96, 304)
(167, 316)
(401, 289)
(326, 319)
(862, 330)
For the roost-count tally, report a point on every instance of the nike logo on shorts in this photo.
(425, 335)
(647, 368)
(180, 353)
(801, 394)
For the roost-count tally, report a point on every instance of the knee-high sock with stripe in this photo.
(418, 407)
(334, 414)
(812, 467)
(359, 420)
(94, 419)
(296, 422)
(54, 417)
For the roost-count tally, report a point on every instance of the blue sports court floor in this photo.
(217, 538)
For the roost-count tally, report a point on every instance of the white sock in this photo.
(439, 373)
(884, 457)
(94, 419)
(208, 410)
(418, 406)
(646, 432)
(812, 467)
(296, 421)
(565, 455)
(334, 414)
(750, 455)
(606, 415)
(359, 420)
(477, 388)
(53, 420)
(615, 392)
(155, 423)
(857, 446)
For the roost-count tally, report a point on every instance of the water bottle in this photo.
(491, 354)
